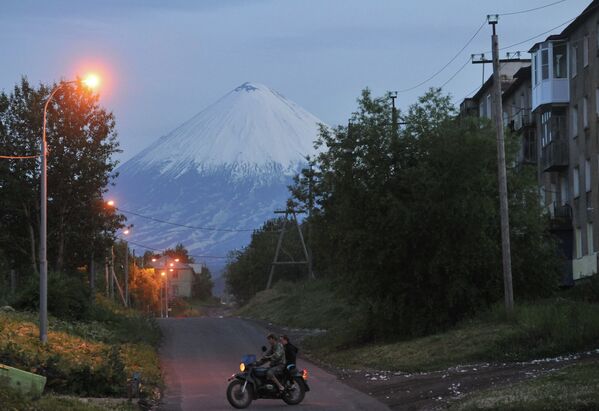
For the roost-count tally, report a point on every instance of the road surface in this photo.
(199, 354)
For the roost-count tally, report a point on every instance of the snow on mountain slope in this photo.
(249, 130)
(228, 167)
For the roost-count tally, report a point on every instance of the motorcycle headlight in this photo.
(242, 367)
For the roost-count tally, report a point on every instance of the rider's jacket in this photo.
(275, 354)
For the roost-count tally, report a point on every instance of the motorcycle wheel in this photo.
(295, 393)
(237, 398)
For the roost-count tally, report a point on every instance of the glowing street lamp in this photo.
(90, 83)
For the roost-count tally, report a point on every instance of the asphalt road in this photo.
(199, 355)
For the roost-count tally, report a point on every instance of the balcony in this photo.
(554, 156)
(560, 217)
(550, 76)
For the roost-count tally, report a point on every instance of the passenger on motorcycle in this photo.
(276, 356)
(290, 351)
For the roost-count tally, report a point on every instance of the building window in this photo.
(587, 175)
(564, 190)
(535, 67)
(573, 68)
(574, 121)
(578, 241)
(545, 64)
(175, 275)
(585, 51)
(585, 112)
(175, 290)
(590, 245)
(576, 182)
(559, 60)
(489, 107)
(546, 128)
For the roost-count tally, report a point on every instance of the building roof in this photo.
(160, 263)
(591, 8)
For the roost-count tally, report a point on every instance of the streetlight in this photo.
(90, 81)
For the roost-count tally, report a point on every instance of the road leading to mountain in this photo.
(199, 355)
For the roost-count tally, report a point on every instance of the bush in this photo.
(68, 296)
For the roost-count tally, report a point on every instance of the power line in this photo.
(163, 250)
(456, 73)
(233, 230)
(448, 63)
(533, 9)
(191, 227)
(538, 35)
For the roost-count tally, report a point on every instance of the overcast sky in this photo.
(164, 61)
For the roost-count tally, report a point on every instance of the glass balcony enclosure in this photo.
(550, 83)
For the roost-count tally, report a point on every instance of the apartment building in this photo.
(565, 94)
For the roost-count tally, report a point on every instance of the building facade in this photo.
(565, 94)
(178, 276)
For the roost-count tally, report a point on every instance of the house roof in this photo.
(161, 263)
(580, 19)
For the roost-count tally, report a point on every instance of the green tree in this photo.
(81, 142)
(408, 222)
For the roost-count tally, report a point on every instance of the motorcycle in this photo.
(251, 384)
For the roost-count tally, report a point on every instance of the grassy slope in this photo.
(547, 328)
(303, 305)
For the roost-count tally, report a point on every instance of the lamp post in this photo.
(91, 81)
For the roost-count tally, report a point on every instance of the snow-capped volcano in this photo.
(223, 172)
(251, 129)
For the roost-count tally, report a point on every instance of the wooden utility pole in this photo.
(502, 175)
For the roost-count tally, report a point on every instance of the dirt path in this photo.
(434, 390)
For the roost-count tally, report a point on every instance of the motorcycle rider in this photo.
(290, 351)
(276, 356)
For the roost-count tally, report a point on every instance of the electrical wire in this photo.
(191, 227)
(232, 230)
(456, 73)
(533, 9)
(537, 36)
(161, 250)
(447, 64)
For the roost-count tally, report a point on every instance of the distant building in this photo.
(179, 275)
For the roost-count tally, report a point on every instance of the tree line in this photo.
(405, 219)
(82, 142)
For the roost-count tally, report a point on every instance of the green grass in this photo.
(311, 304)
(545, 328)
(575, 387)
(92, 358)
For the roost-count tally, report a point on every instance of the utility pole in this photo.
(394, 119)
(126, 274)
(502, 177)
(310, 207)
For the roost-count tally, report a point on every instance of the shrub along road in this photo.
(198, 355)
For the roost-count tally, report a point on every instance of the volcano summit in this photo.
(223, 172)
